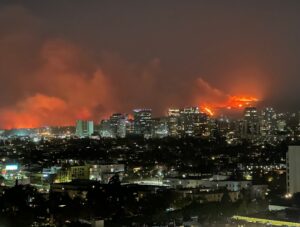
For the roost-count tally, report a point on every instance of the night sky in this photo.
(64, 60)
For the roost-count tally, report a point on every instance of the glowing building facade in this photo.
(84, 128)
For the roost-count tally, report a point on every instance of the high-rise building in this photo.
(159, 127)
(114, 127)
(142, 122)
(129, 127)
(84, 128)
(293, 169)
(192, 122)
(224, 125)
(105, 129)
(187, 119)
(118, 125)
(281, 122)
(268, 122)
(173, 122)
(203, 125)
(250, 123)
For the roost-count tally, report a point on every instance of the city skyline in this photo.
(232, 112)
(261, 125)
(59, 64)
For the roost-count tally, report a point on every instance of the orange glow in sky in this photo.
(240, 101)
(232, 103)
(208, 111)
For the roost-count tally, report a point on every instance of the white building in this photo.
(184, 182)
(293, 169)
(230, 185)
(104, 172)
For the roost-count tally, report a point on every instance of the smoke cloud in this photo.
(54, 81)
(47, 78)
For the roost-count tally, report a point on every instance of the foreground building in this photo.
(293, 170)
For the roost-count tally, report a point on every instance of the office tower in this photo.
(250, 123)
(268, 122)
(209, 129)
(159, 127)
(293, 169)
(203, 125)
(292, 122)
(173, 126)
(281, 122)
(173, 122)
(118, 125)
(105, 129)
(129, 127)
(192, 122)
(142, 122)
(187, 119)
(223, 125)
(84, 128)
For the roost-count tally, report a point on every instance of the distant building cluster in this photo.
(178, 123)
(255, 125)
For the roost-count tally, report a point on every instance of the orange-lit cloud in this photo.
(67, 84)
(34, 112)
(66, 91)
(47, 80)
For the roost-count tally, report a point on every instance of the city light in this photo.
(11, 167)
(288, 196)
